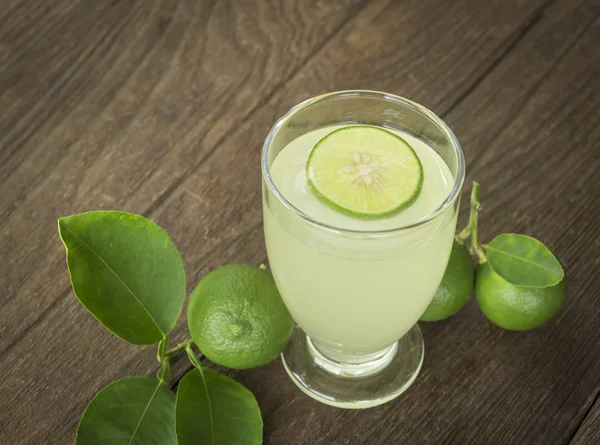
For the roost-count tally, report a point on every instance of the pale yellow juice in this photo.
(352, 292)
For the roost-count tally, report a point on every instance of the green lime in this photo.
(517, 308)
(365, 171)
(455, 288)
(237, 317)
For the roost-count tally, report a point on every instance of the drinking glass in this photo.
(357, 295)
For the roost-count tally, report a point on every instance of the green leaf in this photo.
(126, 271)
(213, 409)
(130, 411)
(523, 261)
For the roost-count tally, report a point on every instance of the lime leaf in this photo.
(126, 271)
(130, 411)
(213, 409)
(523, 261)
(365, 171)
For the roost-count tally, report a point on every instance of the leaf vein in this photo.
(116, 275)
(210, 411)
(502, 252)
(144, 413)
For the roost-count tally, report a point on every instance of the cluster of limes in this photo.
(238, 320)
(510, 306)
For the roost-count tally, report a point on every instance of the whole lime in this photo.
(237, 317)
(517, 308)
(455, 288)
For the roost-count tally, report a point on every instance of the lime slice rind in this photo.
(365, 171)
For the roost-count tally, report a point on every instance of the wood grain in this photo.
(161, 108)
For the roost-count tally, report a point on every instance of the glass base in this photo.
(364, 382)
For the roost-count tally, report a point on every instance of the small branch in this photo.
(474, 216)
(463, 235)
(180, 347)
(481, 255)
(476, 248)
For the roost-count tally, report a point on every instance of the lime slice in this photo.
(365, 171)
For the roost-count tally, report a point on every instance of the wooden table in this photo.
(160, 107)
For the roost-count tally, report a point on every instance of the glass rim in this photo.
(456, 188)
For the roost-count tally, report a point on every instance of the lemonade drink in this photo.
(354, 288)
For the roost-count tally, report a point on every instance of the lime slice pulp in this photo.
(365, 171)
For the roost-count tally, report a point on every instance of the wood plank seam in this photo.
(169, 191)
(543, 123)
(536, 16)
(584, 417)
(41, 318)
(531, 93)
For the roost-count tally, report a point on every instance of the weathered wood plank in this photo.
(527, 128)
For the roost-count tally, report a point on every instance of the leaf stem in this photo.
(162, 349)
(180, 347)
(164, 373)
(476, 248)
(193, 358)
